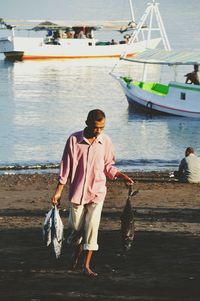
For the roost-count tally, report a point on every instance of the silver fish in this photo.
(127, 222)
(53, 230)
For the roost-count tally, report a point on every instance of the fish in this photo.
(53, 230)
(127, 222)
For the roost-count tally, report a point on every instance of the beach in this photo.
(163, 263)
(42, 103)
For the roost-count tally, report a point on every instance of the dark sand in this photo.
(163, 264)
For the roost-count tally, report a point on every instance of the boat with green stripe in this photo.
(175, 98)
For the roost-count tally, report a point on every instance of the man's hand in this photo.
(55, 200)
(128, 181)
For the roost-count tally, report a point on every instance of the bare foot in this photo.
(75, 257)
(89, 272)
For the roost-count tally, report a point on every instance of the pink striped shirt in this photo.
(87, 166)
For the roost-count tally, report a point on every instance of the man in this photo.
(193, 77)
(87, 160)
(189, 168)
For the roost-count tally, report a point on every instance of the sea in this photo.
(42, 102)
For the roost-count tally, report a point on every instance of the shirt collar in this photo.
(100, 138)
(82, 138)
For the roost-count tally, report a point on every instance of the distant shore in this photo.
(162, 264)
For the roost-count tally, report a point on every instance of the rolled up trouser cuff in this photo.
(91, 247)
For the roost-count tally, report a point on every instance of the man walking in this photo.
(87, 160)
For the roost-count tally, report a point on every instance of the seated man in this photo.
(189, 168)
(193, 77)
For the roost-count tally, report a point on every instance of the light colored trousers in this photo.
(84, 221)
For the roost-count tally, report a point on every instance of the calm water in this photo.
(42, 102)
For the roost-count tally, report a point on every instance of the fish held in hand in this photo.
(53, 230)
(127, 222)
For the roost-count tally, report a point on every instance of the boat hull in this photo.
(148, 109)
(181, 100)
(36, 48)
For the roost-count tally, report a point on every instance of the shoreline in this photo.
(46, 171)
(123, 165)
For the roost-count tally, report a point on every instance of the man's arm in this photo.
(124, 177)
(182, 166)
(63, 175)
(57, 195)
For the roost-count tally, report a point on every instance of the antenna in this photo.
(132, 11)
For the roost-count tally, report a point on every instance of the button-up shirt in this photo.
(87, 166)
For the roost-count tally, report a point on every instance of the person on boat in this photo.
(189, 167)
(49, 33)
(56, 37)
(69, 34)
(193, 77)
(79, 33)
(126, 38)
(113, 42)
(89, 32)
(88, 158)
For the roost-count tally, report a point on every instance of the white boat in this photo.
(175, 98)
(59, 44)
(24, 48)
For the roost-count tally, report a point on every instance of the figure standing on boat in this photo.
(193, 77)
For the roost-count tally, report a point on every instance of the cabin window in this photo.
(183, 96)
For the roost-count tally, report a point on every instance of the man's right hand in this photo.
(57, 195)
(56, 199)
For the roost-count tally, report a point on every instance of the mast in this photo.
(132, 11)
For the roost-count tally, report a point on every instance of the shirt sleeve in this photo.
(182, 165)
(109, 169)
(65, 165)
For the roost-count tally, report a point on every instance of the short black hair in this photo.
(189, 150)
(95, 115)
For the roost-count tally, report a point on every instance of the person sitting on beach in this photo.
(189, 168)
(193, 77)
(87, 160)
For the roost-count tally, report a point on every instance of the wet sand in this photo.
(163, 264)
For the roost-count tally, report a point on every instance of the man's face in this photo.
(96, 127)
